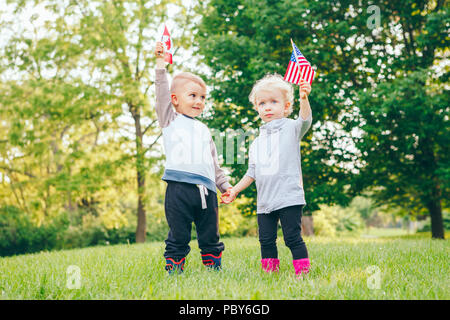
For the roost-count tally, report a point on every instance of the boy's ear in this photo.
(174, 99)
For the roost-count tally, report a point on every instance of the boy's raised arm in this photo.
(164, 109)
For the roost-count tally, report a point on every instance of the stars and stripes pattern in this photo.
(301, 69)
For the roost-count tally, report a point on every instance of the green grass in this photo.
(384, 232)
(409, 268)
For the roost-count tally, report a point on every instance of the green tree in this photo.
(404, 114)
(114, 35)
(51, 122)
(77, 110)
(405, 143)
(119, 37)
(241, 41)
(356, 50)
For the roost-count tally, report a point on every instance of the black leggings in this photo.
(290, 218)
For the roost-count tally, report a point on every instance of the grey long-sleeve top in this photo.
(275, 164)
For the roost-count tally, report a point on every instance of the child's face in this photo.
(190, 99)
(271, 105)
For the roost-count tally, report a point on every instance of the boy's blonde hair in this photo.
(184, 77)
(273, 81)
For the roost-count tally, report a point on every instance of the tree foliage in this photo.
(377, 64)
(76, 106)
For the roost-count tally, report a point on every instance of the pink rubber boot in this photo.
(270, 265)
(301, 266)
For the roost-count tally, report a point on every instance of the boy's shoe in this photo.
(173, 266)
(301, 266)
(211, 261)
(270, 265)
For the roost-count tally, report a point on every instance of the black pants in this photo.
(290, 218)
(183, 206)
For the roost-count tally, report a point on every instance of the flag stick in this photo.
(296, 59)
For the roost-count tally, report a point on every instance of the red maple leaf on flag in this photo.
(167, 41)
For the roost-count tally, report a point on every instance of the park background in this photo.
(81, 155)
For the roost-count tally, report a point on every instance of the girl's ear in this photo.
(286, 107)
(174, 99)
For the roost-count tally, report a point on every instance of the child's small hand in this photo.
(228, 196)
(224, 197)
(159, 50)
(304, 89)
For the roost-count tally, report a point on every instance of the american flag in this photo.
(293, 71)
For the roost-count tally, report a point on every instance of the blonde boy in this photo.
(274, 164)
(191, 171)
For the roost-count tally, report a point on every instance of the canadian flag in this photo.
(167, 41)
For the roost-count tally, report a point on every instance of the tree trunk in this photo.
(141, 228)
(437, 224)
(432, 194)
(307, 226)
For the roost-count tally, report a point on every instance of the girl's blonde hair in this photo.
(273, 82)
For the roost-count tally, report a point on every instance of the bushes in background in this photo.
(334, 221)
(19, 235)
(81, 228)
(233, 223)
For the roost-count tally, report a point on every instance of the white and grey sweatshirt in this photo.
(191, 154)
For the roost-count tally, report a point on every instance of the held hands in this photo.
(228, 196)
(304, 89)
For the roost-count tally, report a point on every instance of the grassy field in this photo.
(396, 267)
